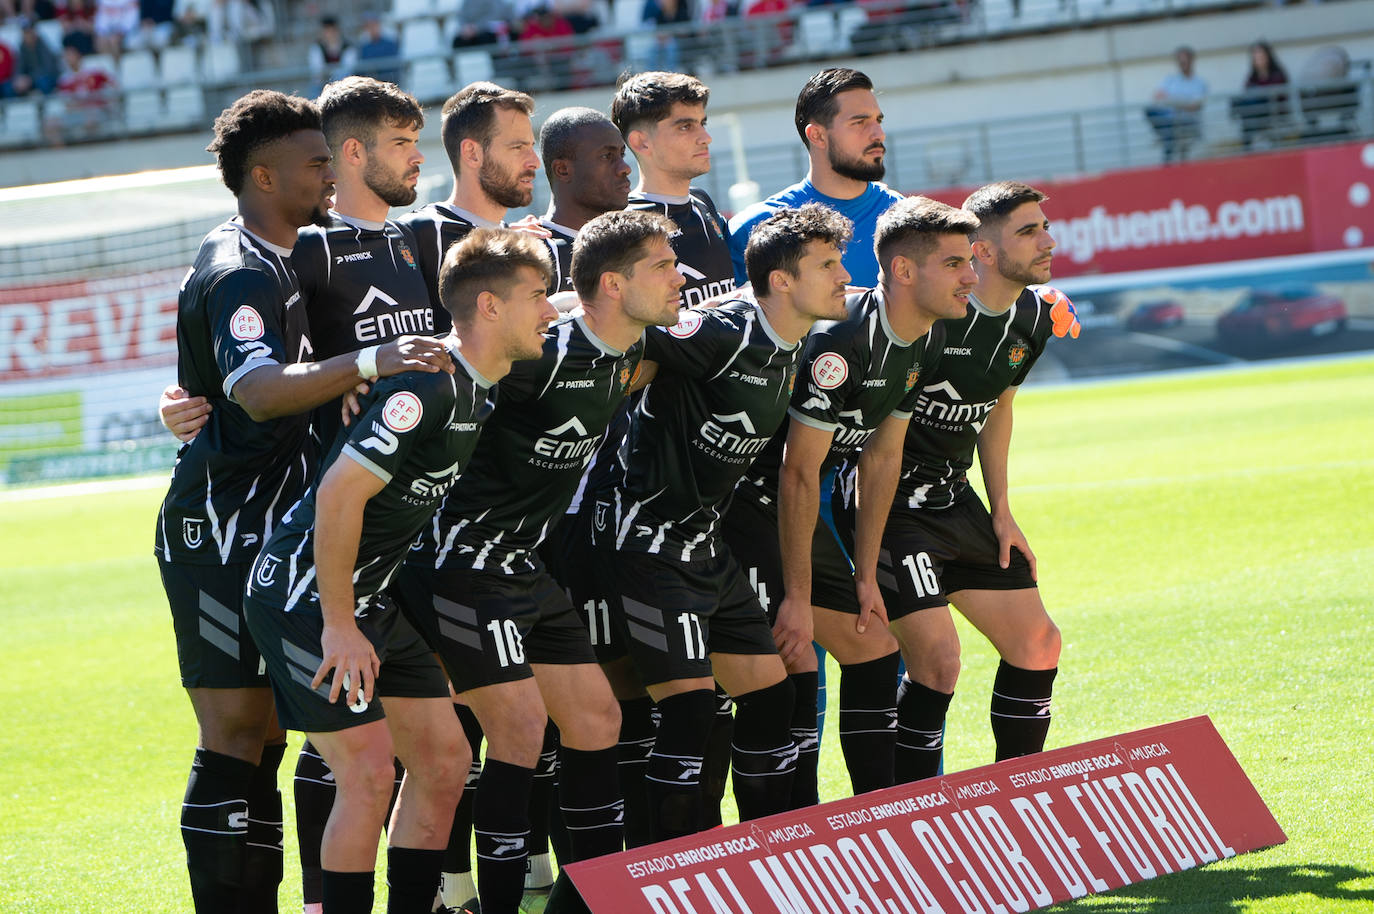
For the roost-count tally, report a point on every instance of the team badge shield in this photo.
(912, 376)
(1016, 355)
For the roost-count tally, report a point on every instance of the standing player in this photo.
(477, 589)
(941, 545)
(858, 386)
(685, 612)
(841, 125)
(241, 336)
(490, 144)
(662, 117)
(584, 159)
(315, 601)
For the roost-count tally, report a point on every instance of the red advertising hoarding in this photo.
(1214, 211)
(1018, 835)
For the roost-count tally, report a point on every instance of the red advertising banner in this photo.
(1018, 835)
(1213, 211)
(81, 326)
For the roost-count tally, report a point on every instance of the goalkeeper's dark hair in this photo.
(245, 130)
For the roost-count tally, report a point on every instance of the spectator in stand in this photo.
(6, 71)
(550, 60)
(191, 18)
(115, 21)
(1264, 103)
(78, 26)
(331, 57)
(665, 54)
(377, 45)
(483, 22)
(87, 91)
(240, 21)
(33, 10)
(36, 66)
(1176, 113)
(155, 26)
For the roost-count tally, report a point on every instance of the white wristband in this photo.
(367, 363)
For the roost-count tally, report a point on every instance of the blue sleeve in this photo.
(740, 226)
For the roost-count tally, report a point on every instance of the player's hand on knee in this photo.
(1062, 312)
(1009, 534)
(350, 655)
(182, 414)
(413, 353)
(871, 606)
(350, 406)
(792, 632)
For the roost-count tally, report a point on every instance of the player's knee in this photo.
(444, 766)
(1046, 647)
(516, 735)
(937, 667)
(366, 780)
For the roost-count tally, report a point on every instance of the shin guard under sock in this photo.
(347, 893)
(501, 831)
(805, 786)
(592, 807)
(672, 781)
(920, 730)
(262, 851)
(764, 756)
(412, 879)
(214, 828)
(1021, 709)
(636, 742)
(868, 721)
(715, 767)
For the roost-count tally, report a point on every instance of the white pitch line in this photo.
(1229, 473)
(93, 487)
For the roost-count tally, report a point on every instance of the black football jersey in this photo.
(703, 254)
(560, 244)
(551, 413)
(416, 432)
(984, 354)
(854, 374)
(436, 228)
(722, 389)
(239, 309)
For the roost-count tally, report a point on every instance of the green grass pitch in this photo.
(1206, 543)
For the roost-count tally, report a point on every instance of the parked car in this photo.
(1155, 315)
(1272, 315)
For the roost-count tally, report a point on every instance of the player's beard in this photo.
(856, 169)
(320, 215)
(392, 190)
(501, 187)
(1022, 273)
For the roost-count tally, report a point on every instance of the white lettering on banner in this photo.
(1082, 238)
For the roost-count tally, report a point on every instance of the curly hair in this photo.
(779, 242)
(358, 106)
(647, 98)
(255, 121)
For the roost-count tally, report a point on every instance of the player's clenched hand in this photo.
(793, 630)
(871, 606)
(182, 414)
(1062, 312)
(350, 655)
(1009, 534)
(350, 406)
(413, 353)
(530, 226)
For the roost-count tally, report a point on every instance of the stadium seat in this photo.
(143, 109)
(816, 32)
(185, 106)
(10, 33)
(401, 10)
(101, 62)
(626, 16)
(471, 66)
(23, 121)
(137, 70)
(421, 38)
(849, 18)
(639, 48)
(447, 7)
(51, 32)
(221, 62)
(429, 78)
(177, 66)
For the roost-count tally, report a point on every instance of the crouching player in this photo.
(315, 604)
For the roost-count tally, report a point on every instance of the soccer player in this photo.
(489, 140)
(315, 601)
(241, 342)
(942, 546)
(841, 125)
(662, 117)
(584, 160)
(720, 384)
(477, 589)
(858, 385)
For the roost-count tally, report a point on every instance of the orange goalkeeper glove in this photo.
(1062, 312)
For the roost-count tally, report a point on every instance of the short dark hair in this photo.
(558, 133)
(912, 227)
(470, 114)
(257, 120)
(993, 203)
(779, 242)
(816, 102)
(357, 106)
(647, 98)
(611, 243)
(485, 260)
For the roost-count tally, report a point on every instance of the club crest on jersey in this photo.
(192, 531)
(791, 383)
(912, 376)
(267, 570)
(246, 324)
(688, 323)
(406, 255)
(829, 371)
(402, 411)
(1016, 354)
(625, 378)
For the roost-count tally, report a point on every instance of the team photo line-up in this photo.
(590, 487)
